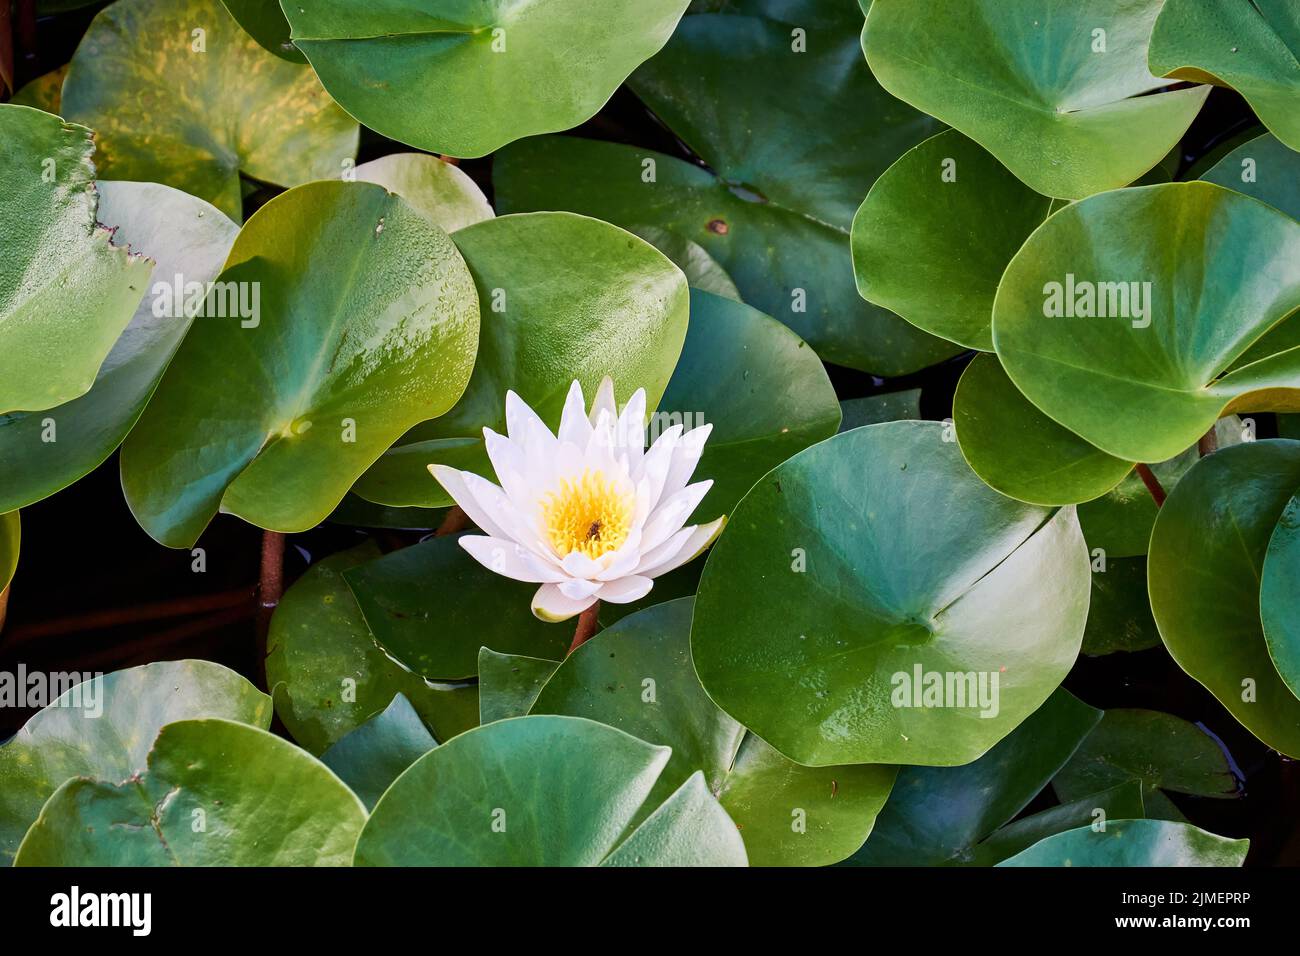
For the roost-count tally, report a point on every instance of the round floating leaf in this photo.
(702, 271)
(1021, 452)
(1119, 616)
(1203, 571)
(441, 191)
(326, 673)
(866, 573)
(265, 22)
(509, 683)
(562, 297)
(10, 537)
(532, 791)
(105, 727)
(690, 828)
(356, 319)
(178, 94)
(1123, 319)
(1161, 751)
(936, 232)
(188, 239)
(43, 93)
(1279, 595)
(763, 389)
(940, 815)
(263, 802)
(776, 203)
(1265, 169)
(66, 292)
(469, 77)
(1134, 843)
(432, 606)
(1118, 803)
(1061, 94)
(1253, 47)
(637, 676)
(767, 251)
(371, 757)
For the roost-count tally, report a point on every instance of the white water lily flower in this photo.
(589, 514)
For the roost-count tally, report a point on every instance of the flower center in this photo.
(591, 515)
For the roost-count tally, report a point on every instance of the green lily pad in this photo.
(531, 791)
(215, 793)
(874, 409)
(690, 828)
(563, 297)
(1123, 802)
(1134, 843)
(265, 22)
(1279, 601)
(178, 94)
(357, 319)
(702, 271)
(188, 239)
(43, 93)
(508, 684)
(326, 673)
(1119, 615)
(1021, 452)
(776, 202)
(66, 292)
(1263, 168)
(1120, 521)
(1253, 47)
(1187, 337)
(371, 757)
(936, 232)
(1160, 751)
(64, 740)
(1203, 572)
(469, 77)
(431, 607)
(637, 676)
(763, 389)
(10, 538)
(1061, 95)
(940, 815)
(853, 574)
(441, 191)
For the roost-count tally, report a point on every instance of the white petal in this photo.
(686, 456)
(664, 552)
(454, 483)
(657, 463)
(574, 426)
(672, 513)
(510, 464)
(625, 590)
(703, 536)
(502, 511)
(521, 420)
(578, 565)
(629, 433)
(510, 559)
(578, 590)
(550, 605)
(604, 400)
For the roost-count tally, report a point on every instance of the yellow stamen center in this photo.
(591, 515)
